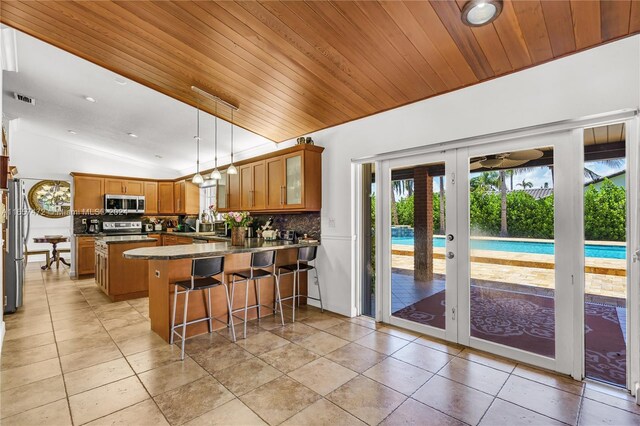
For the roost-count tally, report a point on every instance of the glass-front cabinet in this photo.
(293, 181)
(221, 196)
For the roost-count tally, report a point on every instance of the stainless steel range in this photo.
(122, 228)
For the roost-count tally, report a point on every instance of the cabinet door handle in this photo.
(281, 195)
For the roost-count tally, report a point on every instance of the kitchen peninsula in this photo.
(169, 264)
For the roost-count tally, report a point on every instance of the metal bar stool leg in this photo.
(294, 297)
(278, 299)
(173, 315)
(226, 293)
(256, 286)
(184, 322)
(233, 289)
(246, 303)
(209, 314)
(319, 290)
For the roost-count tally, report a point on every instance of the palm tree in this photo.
(525, 184)
(503, 205)
(442, 227)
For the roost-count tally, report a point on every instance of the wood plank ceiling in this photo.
(295, 67)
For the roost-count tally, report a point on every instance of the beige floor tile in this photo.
(489, 360)
(349, 331)
(90, 357)
(55, 414)
(505, 413)
(543, 399)
(129, 331)
(412, 412)
(128, 319)
(192, 400)
(323, 412)
(247, 376)
(366, 399)
(441, 345)
(20, 358)
(279, 399)
(28, 342)
(261, 343)
(171, 376)
(141, 343)
(399, 332)
(564, 383)
(20, 376)
(322, 375)
(154, 358)
(322, 343)
(423, 357)
(64, 324)
(289, 357)
(84, 330)
(382, 342)
(454, 399)
(398, 375)
(477, 376)
(366, 322)
(322, 321)
(218, 358)
(27, 331)
(17, 400)
(233, 413)
(596, 413)
(80, 344)
(295, 332)
(107, 399)
(97, 375)
(614, 397)
(356, 357)
(145, 413)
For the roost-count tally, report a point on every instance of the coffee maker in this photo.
(94, 226)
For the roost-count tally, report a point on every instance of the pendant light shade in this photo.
(215, 174)
(197, 178)
(232, 169)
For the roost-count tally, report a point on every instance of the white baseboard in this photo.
(2, 331)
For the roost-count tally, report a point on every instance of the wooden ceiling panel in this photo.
(294, 67)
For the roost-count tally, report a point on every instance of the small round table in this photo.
(54, 241)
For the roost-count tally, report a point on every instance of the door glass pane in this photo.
(605, 253)
(368, 305)
(294, 180)
(512, 257)
(417, 244)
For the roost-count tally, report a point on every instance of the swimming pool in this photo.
(590, 250)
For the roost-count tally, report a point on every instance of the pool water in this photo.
(601, 251)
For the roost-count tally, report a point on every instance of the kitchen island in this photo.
(173, 263)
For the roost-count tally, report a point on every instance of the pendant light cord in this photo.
(198, 142)
(215, 138)
(232, 136)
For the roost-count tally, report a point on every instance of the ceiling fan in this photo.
(505, 160)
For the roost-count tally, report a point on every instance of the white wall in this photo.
(2, 325)
(595, 81)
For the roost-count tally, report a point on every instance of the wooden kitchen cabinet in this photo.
(150, 197)
(175, 240)
(85, 256)
(113, 186)
(165, 198)
(275, 183)
(233, 192)
(88, 194)
(222, 192)
(186, 197)
(252, 186)
(158, 238)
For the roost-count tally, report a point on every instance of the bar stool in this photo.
(256, 273)
(305, 255)
(202, 278)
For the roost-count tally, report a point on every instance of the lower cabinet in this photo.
(174, 240)
(85, 255)
(121, 278)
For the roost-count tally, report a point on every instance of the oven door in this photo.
(131, 204)
(114, 203)
(141, 205)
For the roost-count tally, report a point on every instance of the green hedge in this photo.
(605, 213)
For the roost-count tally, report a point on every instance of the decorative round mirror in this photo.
(50, 198)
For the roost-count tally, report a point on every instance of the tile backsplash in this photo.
(302, 223)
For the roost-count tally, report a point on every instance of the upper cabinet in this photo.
(88, 194)
(290, 181)
(222, 192)
(123, 187)
(186, 197)
(150, 197)
(165, 197)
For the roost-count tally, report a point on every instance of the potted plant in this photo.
(238, 222)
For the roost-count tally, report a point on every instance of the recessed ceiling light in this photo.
(481, 12)
(89, 98)
(121, 81)
(73, 132)
(133, 135)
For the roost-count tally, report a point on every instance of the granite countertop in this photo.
(115, 239)
(193, 251)
(196, 235)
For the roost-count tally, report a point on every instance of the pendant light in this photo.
(197, 178)
(215, 174)
(232, 169)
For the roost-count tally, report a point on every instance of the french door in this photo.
(485, 246)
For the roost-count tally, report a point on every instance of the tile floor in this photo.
(73, 357)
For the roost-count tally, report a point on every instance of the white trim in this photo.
(513, 353)
(506, 135)
(378, 241)
(2, 333)
(337, 237)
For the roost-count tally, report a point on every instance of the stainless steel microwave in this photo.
(123, 204)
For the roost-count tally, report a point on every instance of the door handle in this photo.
(450, 237)
(450, 255)
(636, 256)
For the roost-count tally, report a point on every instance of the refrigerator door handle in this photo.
(27, 212)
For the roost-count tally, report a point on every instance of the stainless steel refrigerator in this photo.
(18, 222)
